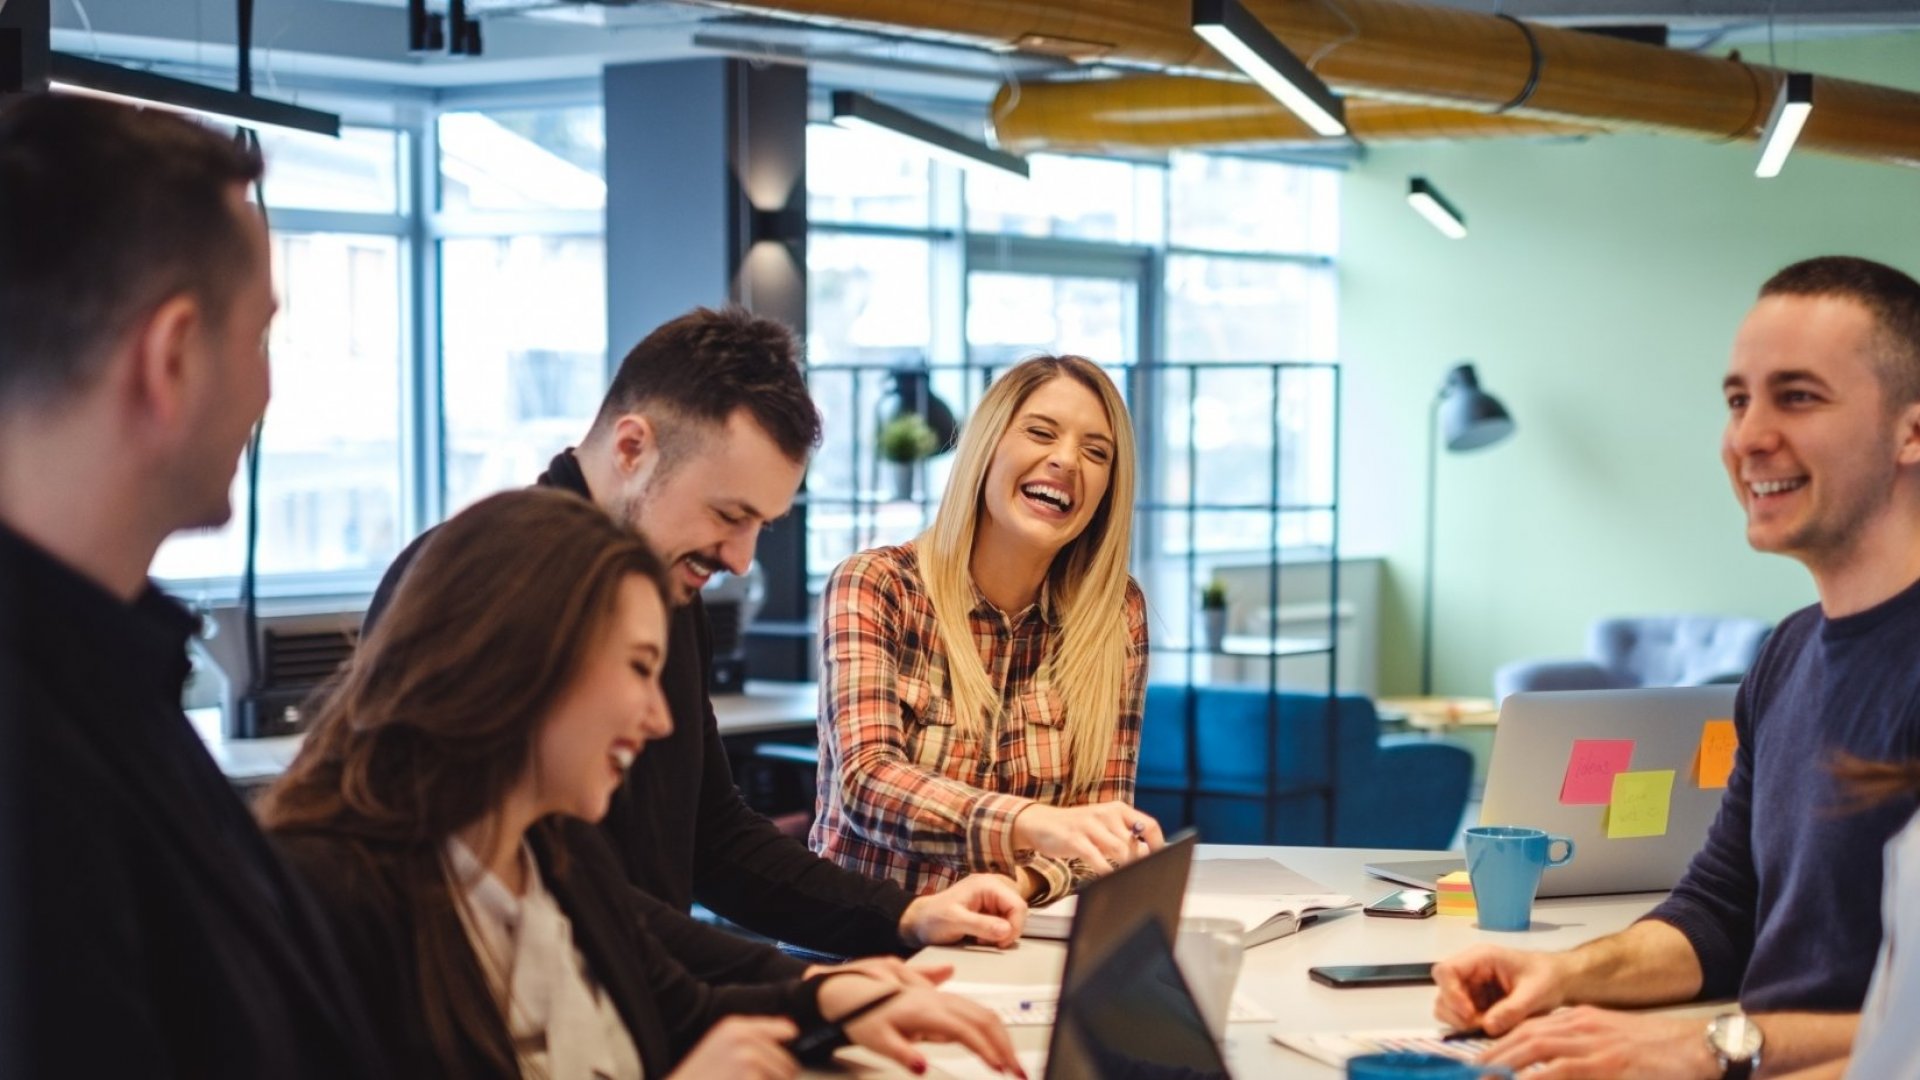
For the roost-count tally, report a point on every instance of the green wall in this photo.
(1597, 293)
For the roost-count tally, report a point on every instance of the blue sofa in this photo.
(1408, 792)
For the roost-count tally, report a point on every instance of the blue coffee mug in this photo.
(1505, 864)
(1403, 1065)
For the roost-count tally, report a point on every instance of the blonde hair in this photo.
(1088, 578)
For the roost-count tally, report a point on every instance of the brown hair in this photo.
(1890, 296)
(1870, 783)
(702, 367)
(105, 212)
(429, 725)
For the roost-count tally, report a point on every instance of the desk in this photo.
(763, 707)
(767, 706)
(1275, 974)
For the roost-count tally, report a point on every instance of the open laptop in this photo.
(1125, 1010)
(1531, 746)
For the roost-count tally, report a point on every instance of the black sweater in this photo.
(1783, 902)
(364, 888)
(683, 832)
(146, 928)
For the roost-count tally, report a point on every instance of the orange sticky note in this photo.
(1714, 763)
(1591, 769)
(1640, 804)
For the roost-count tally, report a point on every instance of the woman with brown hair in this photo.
(441, 806)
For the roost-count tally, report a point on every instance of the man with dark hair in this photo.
(703, 440)
(1781, 906)
(149, 930)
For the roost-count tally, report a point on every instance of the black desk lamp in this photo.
(1468, 418)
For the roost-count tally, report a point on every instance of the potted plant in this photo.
(905, 441)
(1213, 613)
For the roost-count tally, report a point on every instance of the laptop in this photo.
(1131, 1015)
(1125, 1010)
(1530, 751)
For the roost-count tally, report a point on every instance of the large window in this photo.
(331, 442)
(523, 293)
(1198, 275)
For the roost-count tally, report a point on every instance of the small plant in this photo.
(1213, 596)
(906, 439)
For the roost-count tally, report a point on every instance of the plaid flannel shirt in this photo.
(902, 794)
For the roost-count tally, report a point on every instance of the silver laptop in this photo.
(1531, 746)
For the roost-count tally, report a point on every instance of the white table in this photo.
(1275, 974)
(763, 707)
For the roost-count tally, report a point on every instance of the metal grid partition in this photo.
(1239, 467)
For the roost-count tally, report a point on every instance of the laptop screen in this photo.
(1133, 1016)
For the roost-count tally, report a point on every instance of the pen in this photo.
(1464, 1034)
(815, 1048)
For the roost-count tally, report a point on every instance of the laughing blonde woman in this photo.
(984, 683)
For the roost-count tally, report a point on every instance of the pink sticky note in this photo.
(1591, 769)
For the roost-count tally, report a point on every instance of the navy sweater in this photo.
(1782, 904)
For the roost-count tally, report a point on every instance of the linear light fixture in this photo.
(1790, 109)
(1439, 213)
(71, 74)
(851, 110)
(1235, 34)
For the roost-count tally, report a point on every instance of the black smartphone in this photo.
(1404, 904)
(1344, 978)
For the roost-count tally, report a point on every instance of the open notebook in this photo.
(1266, 898)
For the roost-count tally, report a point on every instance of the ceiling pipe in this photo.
(1157, 113)
(1408, 51)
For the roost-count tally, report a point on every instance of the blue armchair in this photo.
(1660, 650)
(1407, 794)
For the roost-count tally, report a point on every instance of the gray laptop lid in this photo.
(1531, 748)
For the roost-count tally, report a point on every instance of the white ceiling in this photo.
(302, 40)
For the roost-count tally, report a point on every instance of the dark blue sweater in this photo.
(1782, 903)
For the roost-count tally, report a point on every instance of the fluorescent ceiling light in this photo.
(69, 74)
(851, 110)
(1790, 109)
(1235, 34)
(1440, 213)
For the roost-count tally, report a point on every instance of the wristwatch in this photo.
(1735, 1040)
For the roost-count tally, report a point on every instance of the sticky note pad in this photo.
(1714, 762)
(1640, 804)
(1591, 769)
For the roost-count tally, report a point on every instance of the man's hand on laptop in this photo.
(1493, 988)
(1585, 1042)
(985, 907)
(887, 969)
(1103, 835)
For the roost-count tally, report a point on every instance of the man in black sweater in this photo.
(703, 438)
(145, 927)
(1782, 904)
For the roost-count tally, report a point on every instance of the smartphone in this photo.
(1405, 904)
(1344, 978)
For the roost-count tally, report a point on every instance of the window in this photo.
(524, 355)
(331, 447)
(523, 291)
(1071, 198)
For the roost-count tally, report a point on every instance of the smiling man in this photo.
(702, 440)
(1780, 908)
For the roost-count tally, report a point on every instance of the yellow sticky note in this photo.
(1640, 804)
(1714, 763)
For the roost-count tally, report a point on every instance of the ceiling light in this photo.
(1440, 213)
(851, 110)
(1235, 34)
(69, 74)
(1790, 109)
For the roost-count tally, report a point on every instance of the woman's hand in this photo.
(1104, 835)
(747, 1047)
(918, 1015)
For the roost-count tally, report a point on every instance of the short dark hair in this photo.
(1890, 296)
(705, 365)
(105, 211)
